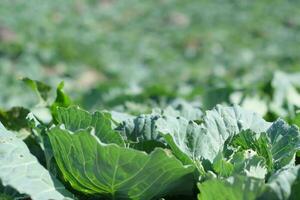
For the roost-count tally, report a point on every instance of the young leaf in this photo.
(250, 164)
(259, 143)
(62, 100)
(42, 90)
(222, 166)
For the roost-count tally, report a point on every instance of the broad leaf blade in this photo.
(284, 184)
(206, 140)
(74, 118)
(117, 172)
(21, 170)
(278, 145)
(285, 141)
(233, 188)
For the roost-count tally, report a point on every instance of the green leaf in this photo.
(249, 164)
(117, 172)
(62, 100)
(257, 142)
(41, 89)
(22, 171)
(232, 161)
(144, 127)
(141, 128)
(285, 141)
(74, 118)
(284, 184)
(205, 141)
(278, 145)
(222, 166)
(179, 135)
(15, 118)
(147, 146)
(232, 188)
(141, 132)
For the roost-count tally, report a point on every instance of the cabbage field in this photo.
(149, 100)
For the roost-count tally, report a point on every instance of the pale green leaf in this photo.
(284, 184)
(141, 128)
(285, 95)
(278, 145)
(206, 140)
(21, 170)
(285, 141)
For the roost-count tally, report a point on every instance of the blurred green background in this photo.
(132, 54)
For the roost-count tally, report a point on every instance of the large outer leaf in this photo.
(233, 188)
(74, 118)
(205, 141)
(21, 170)
(108, 169)
(284, 184)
